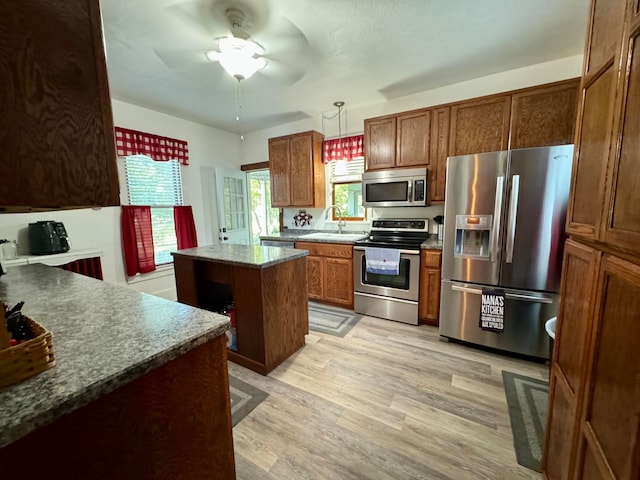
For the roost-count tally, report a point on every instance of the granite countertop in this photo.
(104, 336)
(321, 236)
(432, 243)
(252, 256)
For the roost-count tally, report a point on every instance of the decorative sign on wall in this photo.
(492, 310)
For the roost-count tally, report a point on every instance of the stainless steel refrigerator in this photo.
(502, 252)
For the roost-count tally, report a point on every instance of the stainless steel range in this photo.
(393, 297)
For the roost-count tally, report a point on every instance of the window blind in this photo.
(341, 171)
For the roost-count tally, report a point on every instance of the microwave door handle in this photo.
(513, 213)
(497, 212)
(410, 191)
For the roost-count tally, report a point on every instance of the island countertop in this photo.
(252, 256)
(104, 336)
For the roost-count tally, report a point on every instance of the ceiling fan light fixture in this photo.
(238, 57)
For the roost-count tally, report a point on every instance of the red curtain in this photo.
(345, 148)
(161, 149)
(137, 239)
(185, 227)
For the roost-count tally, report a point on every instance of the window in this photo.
(346, 189)
(159, 185)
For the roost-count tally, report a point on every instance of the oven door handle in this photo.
(407, 252)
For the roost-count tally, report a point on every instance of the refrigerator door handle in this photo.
(511, 296)
(513, 212)
(528, 298)
(458, 288)
(497, 211)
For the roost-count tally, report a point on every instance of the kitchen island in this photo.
(268, 289)
(139, 390)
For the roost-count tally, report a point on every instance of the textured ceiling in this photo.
(319, 51)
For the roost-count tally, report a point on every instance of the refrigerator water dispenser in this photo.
(473, 233)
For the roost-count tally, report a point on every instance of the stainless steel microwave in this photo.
(395, 188)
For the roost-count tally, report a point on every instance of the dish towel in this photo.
(384, 261)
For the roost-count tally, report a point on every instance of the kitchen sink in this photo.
(333, 236)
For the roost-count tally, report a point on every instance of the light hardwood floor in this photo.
(388, 401)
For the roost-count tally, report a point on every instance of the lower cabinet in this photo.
(329, 272)
(429, 301)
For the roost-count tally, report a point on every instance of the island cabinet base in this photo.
(172, 422)
(271, 306)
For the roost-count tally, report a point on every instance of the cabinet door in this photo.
(58, 145)
(413, 139)
(429, 300)
(610, 426)
(301, 170)
(622, 227)
(544, 116)
(279, 172)
(338, 281)
(607, 18)
(380, 143)
(439, 153)
(315, 277)
(480, 126)
(567, 378)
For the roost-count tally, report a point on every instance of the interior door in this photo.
(233, 217)
(536, 206)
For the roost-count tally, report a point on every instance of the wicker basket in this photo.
(28, 358)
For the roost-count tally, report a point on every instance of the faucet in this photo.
(341, 223)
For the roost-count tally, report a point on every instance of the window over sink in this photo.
(345, 179)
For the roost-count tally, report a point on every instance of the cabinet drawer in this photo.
(327, 249)
(431, 258)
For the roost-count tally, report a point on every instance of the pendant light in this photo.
(341, 167)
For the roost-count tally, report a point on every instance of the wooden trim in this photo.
(248, 167)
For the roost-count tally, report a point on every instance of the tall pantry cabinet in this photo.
(593, 426)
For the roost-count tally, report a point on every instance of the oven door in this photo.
(404, 286)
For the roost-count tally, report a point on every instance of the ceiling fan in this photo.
(244, 36)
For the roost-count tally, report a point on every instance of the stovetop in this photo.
(401, 233)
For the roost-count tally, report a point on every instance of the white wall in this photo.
(100, 228)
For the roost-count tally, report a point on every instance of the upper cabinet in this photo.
(297, 171)
(544, 116)
(380, 143)
(532, 117)
(480, 126)
(56, 125)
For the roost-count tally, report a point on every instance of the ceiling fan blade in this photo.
(200, 19)
(280, 35)
(182, 58)
(282, 73)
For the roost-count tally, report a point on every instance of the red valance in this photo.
(345, 148)
(161, 149)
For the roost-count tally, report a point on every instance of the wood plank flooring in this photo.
(388, 401)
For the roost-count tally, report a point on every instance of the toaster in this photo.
(48, 237)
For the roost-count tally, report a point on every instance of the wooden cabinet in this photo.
(398, 141)
(329, 272)
(573, 334)
(593, 429)
(439, 154)
(480, 126)
(532, 117)
(544, 116)
(296, 170)
(429, 300)
(380, 143)
(413, 145)
(622, 225)
(56, 122)
(271, 307)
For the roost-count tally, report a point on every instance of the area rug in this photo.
(332, 320)
(527, 399)
(244, 398)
